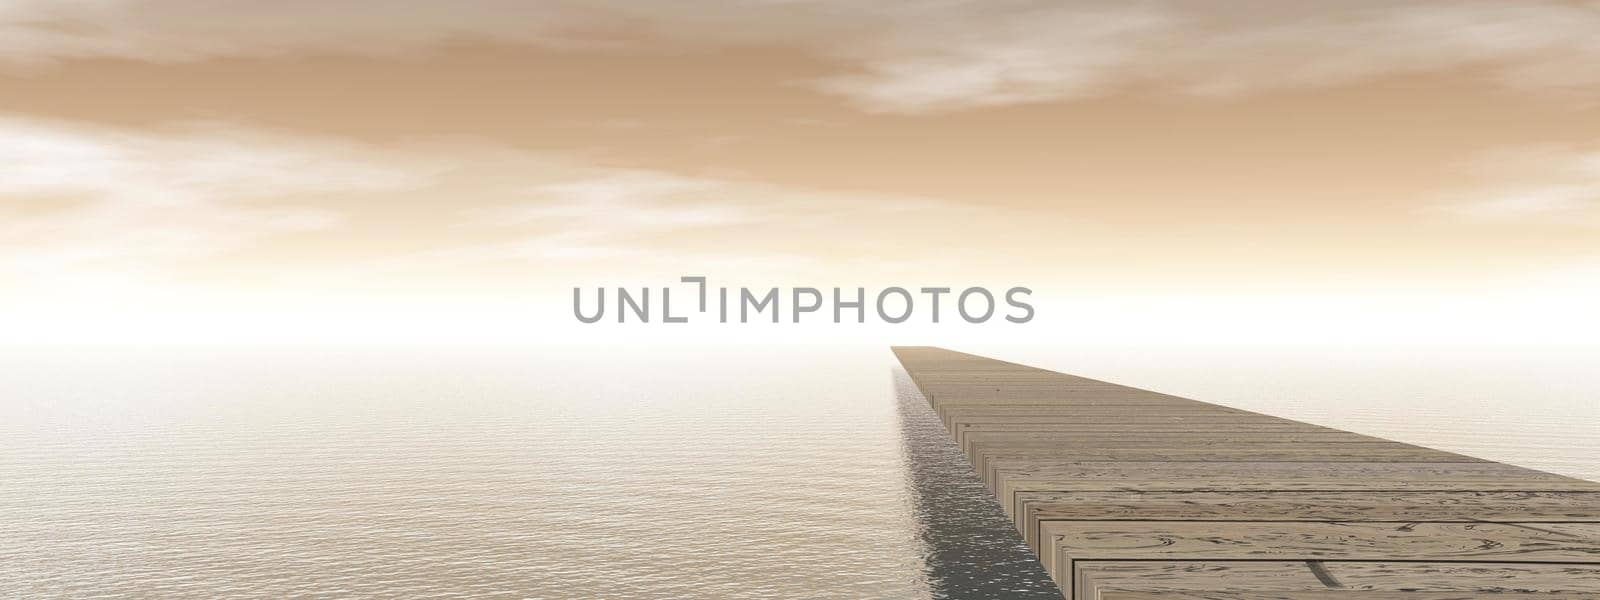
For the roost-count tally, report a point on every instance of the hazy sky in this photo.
(1187, 168)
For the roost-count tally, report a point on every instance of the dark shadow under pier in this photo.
(971, 549)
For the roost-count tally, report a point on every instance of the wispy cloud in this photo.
(81, 199)
(180, 30)
(86, 208)
(957, 60)
(653, 220)
(966, 56)
(1541, 185)
(899, 56)
(636, 200)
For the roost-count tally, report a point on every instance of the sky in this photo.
(1162, 171)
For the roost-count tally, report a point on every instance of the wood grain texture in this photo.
(1095, 578)
(1036, 508)
(1340, 595)
(1134, 494)
(1298, 579)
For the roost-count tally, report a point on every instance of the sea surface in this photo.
(583, 473)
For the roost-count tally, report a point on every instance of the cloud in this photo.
(124, 204)
(995, 59)
(964, 58)
(181, 30)
(1533, 185)
(636, 200)
(96, 209)
(649, 220)
(900, 56)
(1533, 202)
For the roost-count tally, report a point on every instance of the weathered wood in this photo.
(970, 440)
(988, 461)
(1051, 422)
(1068, 475)
(1336, 595)
(1064, 542)
(1299, 579)
(1135, 495)
(1035, 509)
(1481, 577)
(1095, 578)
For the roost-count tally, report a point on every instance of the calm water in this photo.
(581, 474)
(535, 474)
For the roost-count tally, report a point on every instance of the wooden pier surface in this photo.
(1128, 494)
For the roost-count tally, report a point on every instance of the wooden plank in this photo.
(1035, 508)
(1067, 422)
(1479, 577)
(1127, 419)
(1096, 578)
(970, 439)
(1071, 475)
(1338, 595)
(1014, 490)
(988, 462)
(1125, 430)
(1154, 496)
(1067, 541)
(1298, 579)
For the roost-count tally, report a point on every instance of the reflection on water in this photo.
(540, 475)
(971, 548)
(754, 473)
